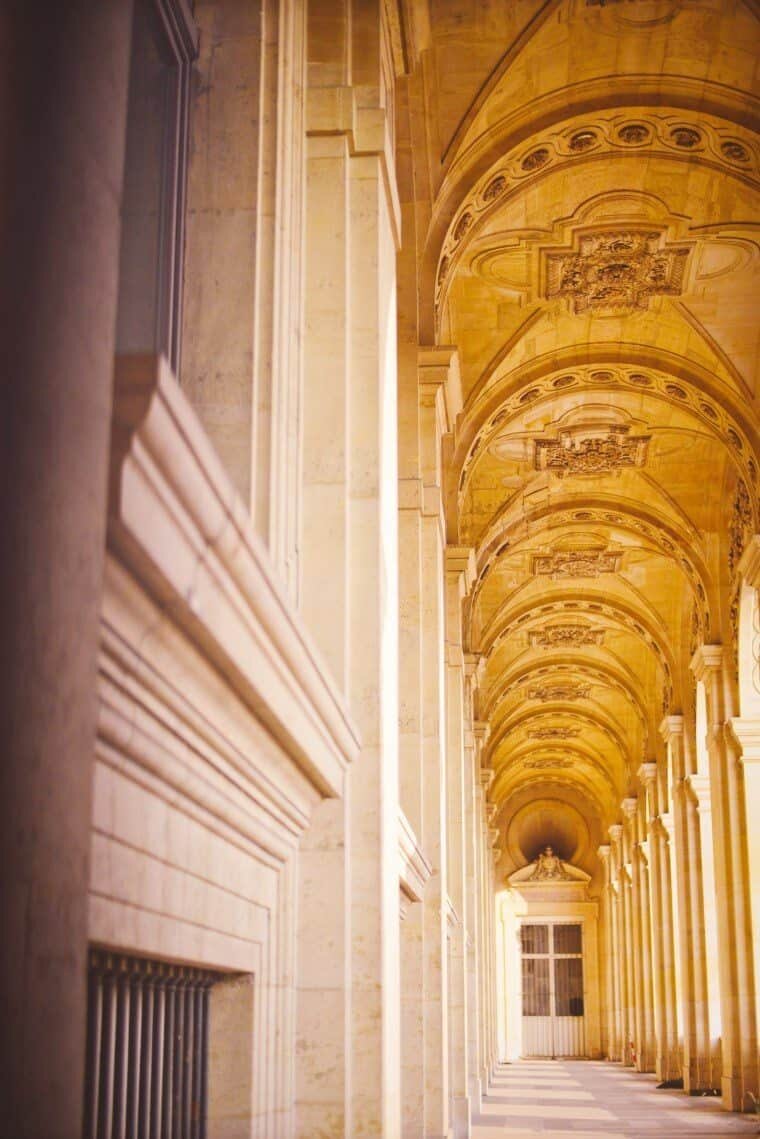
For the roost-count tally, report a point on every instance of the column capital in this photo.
(647, 773)
(749, 563)
(481, 729)
(615, 832)
(604, 851)
(671, 726)
(746, 733)
(491, 809)
(629, 806)
(438, 370)
(707, 658)
(461, 560)
(487, 775)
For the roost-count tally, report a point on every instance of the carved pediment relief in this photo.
(562, 690)
(556, 732)
(548, 869)
(583, 452)
(576, 563)
(616, 271)
(561, 636)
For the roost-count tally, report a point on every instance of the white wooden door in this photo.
(553, 1022)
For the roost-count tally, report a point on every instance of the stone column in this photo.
(64, 97)
(682, 870)
(606, 960)
(630, 970)
(702, 906)
(630, 809)
(746, 733)
(649, 1047)
(739, 1024)
(352, 571)
(648, 776)
(621, 963)
(460, 569)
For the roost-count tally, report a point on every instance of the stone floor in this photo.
(582, 1099)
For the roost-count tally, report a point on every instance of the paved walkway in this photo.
(583, 1099)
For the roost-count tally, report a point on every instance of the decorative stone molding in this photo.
(615, 832)
(565, 636)
(576, 563)
(200, 558)
(562, 691)
(749, 564)
(629, 806)
(607, 451)
(616, 271)
(648, 773)
(414, 868)
(739, 525)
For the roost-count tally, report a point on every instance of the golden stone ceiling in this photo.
(592, 252)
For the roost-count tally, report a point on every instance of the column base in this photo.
(731, 1091)
(460, 1117)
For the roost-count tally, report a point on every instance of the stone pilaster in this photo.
(729, 830)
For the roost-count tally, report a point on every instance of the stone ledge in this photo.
(177, 524)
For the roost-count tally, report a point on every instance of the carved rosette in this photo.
(616, 271)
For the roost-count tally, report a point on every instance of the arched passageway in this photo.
(381, 567)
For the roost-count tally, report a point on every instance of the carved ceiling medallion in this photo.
(576, 563)
(603, 452)
(566, 690)
(616, 271)
(561, 636)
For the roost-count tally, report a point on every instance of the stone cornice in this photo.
(438, 370)
(180, 529)
(414, 868)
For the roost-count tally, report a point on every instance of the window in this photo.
(153, 194)
(147, 1048)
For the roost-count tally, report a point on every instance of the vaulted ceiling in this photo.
(592, 252)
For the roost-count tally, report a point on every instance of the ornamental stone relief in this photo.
(740, 524)
(596, 454)
(576, 563)
(554, 733)
(616, 271)
(563, 690)
(707, 138)
(544, 764)
(713, 415)
(561, 636)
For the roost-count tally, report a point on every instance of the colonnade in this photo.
(676, 906)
